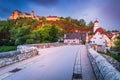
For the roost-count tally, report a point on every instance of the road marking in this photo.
(4, 75)
(77, 71)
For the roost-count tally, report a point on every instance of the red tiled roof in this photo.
(100, 30)
(26, 13)
(110, 35)
(89, 38)
(39, 16)
(52, 17)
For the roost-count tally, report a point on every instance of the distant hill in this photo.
(28, 30)
(69, 26)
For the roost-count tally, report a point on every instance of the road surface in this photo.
(54, 64)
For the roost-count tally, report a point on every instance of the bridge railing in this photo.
(46, 45)
(20, 54)
(95, 67)
(102, 68)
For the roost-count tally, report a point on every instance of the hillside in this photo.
(28, 30)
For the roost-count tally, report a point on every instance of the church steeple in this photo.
(96, 26)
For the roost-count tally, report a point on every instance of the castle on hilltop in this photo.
(18, 14)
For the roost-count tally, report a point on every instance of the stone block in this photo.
(22, 53)
(102, 67)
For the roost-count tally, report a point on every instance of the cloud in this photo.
(112, 10)
(46, 2)
(7, 7)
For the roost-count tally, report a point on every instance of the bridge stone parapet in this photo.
(46, 45)
(22, 53)
(102, 68)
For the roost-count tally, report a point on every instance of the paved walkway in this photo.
(87, 72)
(52, 64)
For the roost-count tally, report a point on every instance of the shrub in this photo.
(7, 48)
(115, 56)
(29, 41)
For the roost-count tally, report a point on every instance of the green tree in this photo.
(36, 36)
(5, 32)
(61, 18)
(68, 19)
(91, 24)
(117, 43)
(43, 18)
(53, 33)
(82, 23)
(45, 33)
(20, 35)
(108, 32)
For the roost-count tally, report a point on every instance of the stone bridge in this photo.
(56, 62)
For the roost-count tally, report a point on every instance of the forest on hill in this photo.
(31, 31)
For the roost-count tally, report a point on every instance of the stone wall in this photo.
(20, 54)
(46, 45)
(112, 61)
(24, 52)
(103, 69)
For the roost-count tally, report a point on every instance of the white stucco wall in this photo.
(71, 41)
(96, 26)
(98, 39)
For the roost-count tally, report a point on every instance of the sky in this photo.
(106, 11)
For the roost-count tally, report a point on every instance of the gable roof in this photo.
(39, 16)
(27, 13)
(110, 35)
(89, 38)
(52, 17)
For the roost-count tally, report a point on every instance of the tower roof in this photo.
(32, 11)
(96, 21)
(17, 11)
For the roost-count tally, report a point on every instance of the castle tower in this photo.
(15, 15)
(32, 14)
(96, 26)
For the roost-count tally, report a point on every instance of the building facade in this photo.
(18, 14)
(52, 18)
(74, 38)
(98, 39)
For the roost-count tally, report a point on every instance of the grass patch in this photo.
(115, 56)
(7, 48)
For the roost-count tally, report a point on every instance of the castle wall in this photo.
(17, 14)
